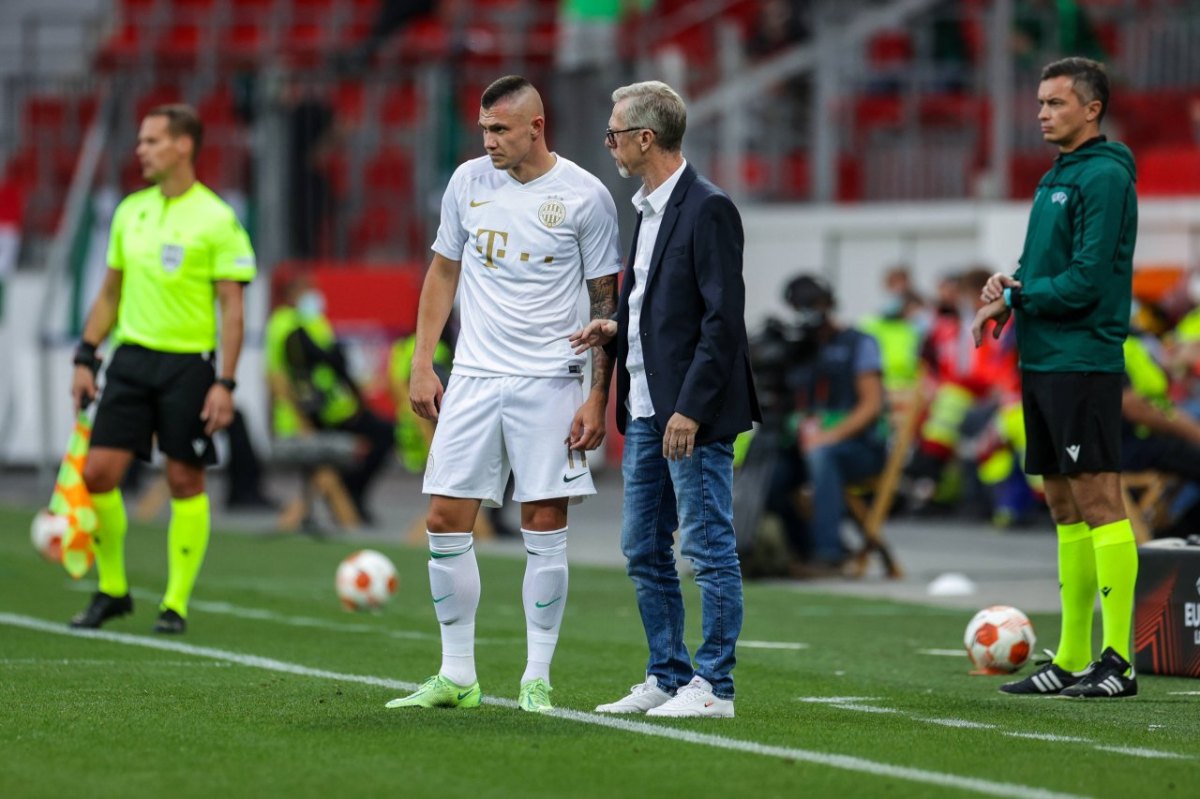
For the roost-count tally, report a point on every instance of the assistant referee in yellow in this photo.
(174, 249)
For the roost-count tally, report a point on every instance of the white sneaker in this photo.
(693, 700)
(642, 697)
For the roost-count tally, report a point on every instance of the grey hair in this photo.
(656, 106)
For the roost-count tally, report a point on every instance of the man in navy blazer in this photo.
(684, 391)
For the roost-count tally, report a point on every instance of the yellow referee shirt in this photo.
(171, 250)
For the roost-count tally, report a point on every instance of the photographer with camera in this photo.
(827, 412)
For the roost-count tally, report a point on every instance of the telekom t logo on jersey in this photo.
(486, 244)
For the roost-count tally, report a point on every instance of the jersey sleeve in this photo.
(451, 236)
(599, 237)
(116, 253)
(869, 357)
(233, 256)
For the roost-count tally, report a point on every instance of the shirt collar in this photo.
(652, 204)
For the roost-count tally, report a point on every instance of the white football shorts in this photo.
(489, 426)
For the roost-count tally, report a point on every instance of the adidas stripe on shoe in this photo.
(1049, 680)
(1107, 679)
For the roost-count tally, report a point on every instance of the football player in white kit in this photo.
(523, 230)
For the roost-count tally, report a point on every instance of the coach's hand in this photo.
(993, 310)
(218, 409)
(425, 392)
(596, 333)
(995, 286)
(587, 428)
(679, 439)
(83, 387)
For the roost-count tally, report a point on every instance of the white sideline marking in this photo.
(261, 614)
(958, 723)
(1139, 752)
(1184, 693)
(856, 703)
(845, 762)
(949, 653)
(98, 662)
(771, 645)
(1048, 736)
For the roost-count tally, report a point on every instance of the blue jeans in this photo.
(695, 496)
(830, 470)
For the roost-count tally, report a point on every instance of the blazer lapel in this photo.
(670, 217)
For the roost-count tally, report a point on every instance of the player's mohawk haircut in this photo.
(502, 88)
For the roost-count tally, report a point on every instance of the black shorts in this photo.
(1072, 422)
(149, 393)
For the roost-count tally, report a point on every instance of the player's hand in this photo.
(587, 428)
(679, 439)
(425, 392)
(995, 286)
(596, 333)
(83, 387)
(218, 409)
(993, 310)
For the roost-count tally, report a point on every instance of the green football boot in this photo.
(535, 696)
(437, 691)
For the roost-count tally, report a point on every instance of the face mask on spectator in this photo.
(311, 304)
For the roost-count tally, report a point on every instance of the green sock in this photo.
(1116, 572)
(108, 542)
(187, 539)
(1077, 592)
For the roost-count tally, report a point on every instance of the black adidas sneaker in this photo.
(170, 623)
(1049, 680)
(1106, 679)
(102, 608)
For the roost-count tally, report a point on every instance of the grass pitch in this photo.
(275, 691)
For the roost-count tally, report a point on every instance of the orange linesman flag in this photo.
(72, 501)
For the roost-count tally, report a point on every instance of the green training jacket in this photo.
(1076, 271)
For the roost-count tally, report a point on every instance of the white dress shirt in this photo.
(651, 207)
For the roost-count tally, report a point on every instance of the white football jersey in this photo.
(526, 250)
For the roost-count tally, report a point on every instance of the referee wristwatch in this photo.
(228, 382)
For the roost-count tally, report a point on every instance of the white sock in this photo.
(545, 594)
(454, 583)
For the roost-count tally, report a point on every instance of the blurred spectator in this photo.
(897, 329)
(839, 437)
(966, 379)
(312, 389)
(244, 470)
(413, 433)
(779, 25)
(782, 110)
(312, 138)
(1045, 29)
(391, 17)
(1154, 435)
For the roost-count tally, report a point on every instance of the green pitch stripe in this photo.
(857, 765)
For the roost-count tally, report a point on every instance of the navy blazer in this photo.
(693, 324)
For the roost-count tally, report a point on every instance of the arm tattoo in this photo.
(602, 296)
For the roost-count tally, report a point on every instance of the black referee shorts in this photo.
(151, 394)
(1072, 422)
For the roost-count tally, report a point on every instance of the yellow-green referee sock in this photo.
(1077, 592)
(1116, 573)
(187, 540)
(108, 542)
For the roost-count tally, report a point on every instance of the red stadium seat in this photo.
(401, 106)
(390, 172)
(1168, 171)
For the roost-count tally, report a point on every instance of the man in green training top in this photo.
(1071, 296)
(174, 249)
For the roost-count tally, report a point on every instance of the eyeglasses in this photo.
(610, 135)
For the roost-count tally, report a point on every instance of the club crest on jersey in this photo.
(171, 257)
(1059, 197)
(552, 213)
